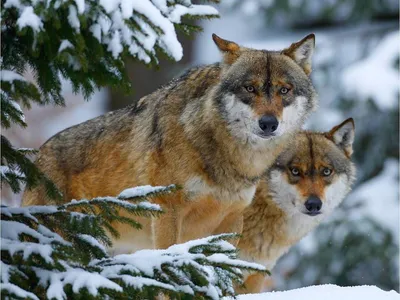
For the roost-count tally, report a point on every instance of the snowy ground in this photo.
(327, 292)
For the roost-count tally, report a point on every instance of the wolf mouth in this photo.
(313, 213)
(265, 136)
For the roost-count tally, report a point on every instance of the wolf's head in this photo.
(315, 173)
(262, 93)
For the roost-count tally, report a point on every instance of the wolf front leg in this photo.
(254, 283)
(165, 229)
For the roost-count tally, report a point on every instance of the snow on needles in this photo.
(141, 191)
(29, 19)
(150, 262)
(112, 22)
(10, 76)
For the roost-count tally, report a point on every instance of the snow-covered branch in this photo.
(63, 249)
(136, 26)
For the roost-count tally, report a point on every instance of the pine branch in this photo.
(79, 42)
(17, 169)
(66, 246)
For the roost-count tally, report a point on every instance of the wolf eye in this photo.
(295, 171)
(284, 90)
(250, 88)
(327, 172)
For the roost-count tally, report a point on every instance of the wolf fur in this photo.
(278, 217)
(200, 131)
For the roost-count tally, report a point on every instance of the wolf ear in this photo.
(229, 49)
(343, 136)
(301, 52)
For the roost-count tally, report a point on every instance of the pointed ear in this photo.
(229, 49)
(302, 51)
(343, 136)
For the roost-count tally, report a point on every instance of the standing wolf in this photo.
(307, 181)
(214, 131)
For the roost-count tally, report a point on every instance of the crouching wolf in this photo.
(307, 181)
(214, 131)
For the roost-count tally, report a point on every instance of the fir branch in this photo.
(71, 246)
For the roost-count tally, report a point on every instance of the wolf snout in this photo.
(268, 124)
(313, 205)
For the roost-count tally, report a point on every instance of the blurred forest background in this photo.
(356, 74)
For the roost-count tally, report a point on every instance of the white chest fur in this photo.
(270, 247)
(197, 187)
(299, 225)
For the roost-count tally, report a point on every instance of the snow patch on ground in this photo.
(327, 292)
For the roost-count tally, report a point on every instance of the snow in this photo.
(168, 40)
(64, 45)
(141, 191)
(7, 75)
(116, 34)
(11, 232)
(174, 265)
(80, 279)
(150, 262)
(140, 258)
(18, 108)
(27, 249)
(12, 3)
(51, 234)
(5, 170)
(112, 24)
(77, 278)
(115, 46)
(73, 18)
(326, 292)
(27, 149)
(80, 4)
(92, 241)
(16, 290)
(95, 29)
(140, 282)
(28, 211)
(376, 76)
(29, 19)
(123, 203)
(180, 10)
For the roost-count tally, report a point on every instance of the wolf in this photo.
(302, 188)
(214, 131)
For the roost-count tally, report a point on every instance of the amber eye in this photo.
(284, 90)
(295, 172)
(327, 172)
(250, 89)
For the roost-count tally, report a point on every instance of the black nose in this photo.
(268, 124)
(313, 205)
